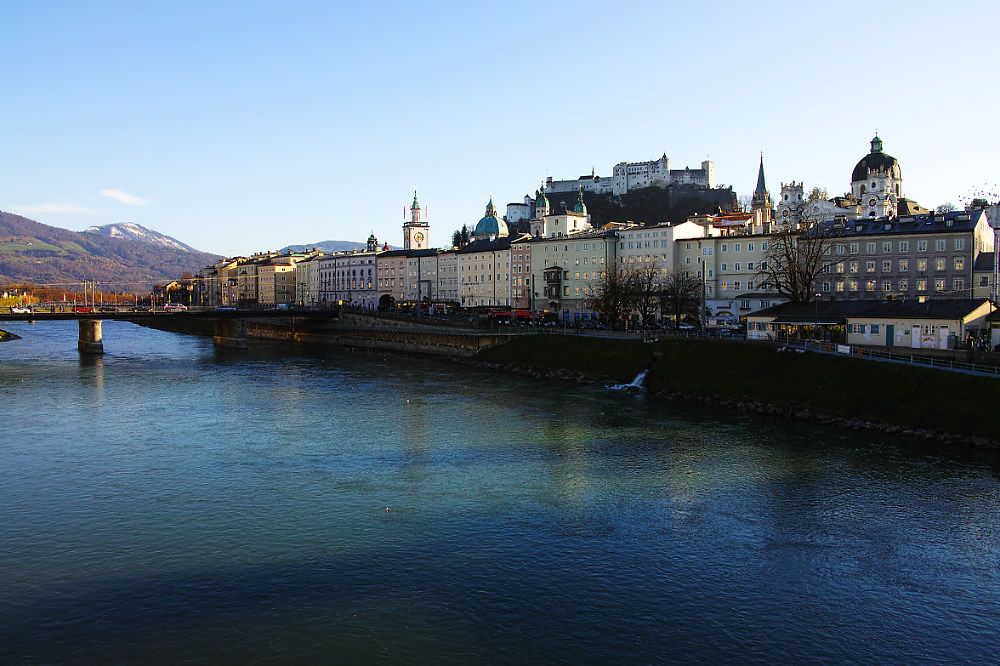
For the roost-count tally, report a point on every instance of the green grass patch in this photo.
(903, 395)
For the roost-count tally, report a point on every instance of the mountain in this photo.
(31, 252)
(137, 232)
(331, 246)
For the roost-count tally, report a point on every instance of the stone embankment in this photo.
(745, 405)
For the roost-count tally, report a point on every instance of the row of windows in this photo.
(940, 245)
(888, 286)
(940, 264)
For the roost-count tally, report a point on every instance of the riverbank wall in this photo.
(740, 376)
(354, 330)
(757, 378)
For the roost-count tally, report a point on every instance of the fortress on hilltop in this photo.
(628, 176)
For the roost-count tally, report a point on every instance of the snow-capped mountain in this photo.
(139, 233)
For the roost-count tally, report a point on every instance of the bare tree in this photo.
(646, 284)
(614, 297)
(797, 255)
(680, 294)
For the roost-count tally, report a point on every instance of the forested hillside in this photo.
(31, 252)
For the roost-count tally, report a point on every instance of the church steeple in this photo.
(416, 231)
(415, 210)
(761, 205)
(761, 185)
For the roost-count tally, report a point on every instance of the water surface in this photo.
(173, 503)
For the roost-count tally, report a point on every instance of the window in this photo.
(887, 285)
(959, 263)
(904, 246)
(938, 285)
(870, 266)
(854, 267)
(840, 285)
(939, 264)
(984, 281)
(744, 305)
(749, 266)
(841, 249)
(724, 268)
(904, 265)
(904, 285)
(858, 328)
(870, 248)
(941, 245)
(959, 284)
(826, 286)
(921, 246)
(687, 260)
(886, 265)
(687, 246)
(725, 247)
(736, 285)
(921, 265)
(852, 285)
(840, 267)
(736, 247)
(706, 251)
(736, 266)
(723, 286)
(763, 246)
(854, 248)
(875, 329)
(870, 285)
(921, 285)
(749, 247)
(959, 243)
(886, 247)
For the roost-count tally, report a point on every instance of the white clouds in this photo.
(125, 198)
(54, 208)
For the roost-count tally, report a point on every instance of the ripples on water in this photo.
(173, 503)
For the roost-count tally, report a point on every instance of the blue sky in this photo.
(239, 127)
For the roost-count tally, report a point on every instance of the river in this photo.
(173, 503)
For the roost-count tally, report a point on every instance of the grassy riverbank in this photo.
(749, 376)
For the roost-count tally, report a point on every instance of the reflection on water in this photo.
(172, 502)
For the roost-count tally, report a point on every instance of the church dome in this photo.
(876, 162)
(542, 201)
(580, 207)
(490, 224)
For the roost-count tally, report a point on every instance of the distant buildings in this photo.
(879, 246)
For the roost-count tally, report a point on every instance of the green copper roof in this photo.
(415, 206)
(580, 207)
(761, 187)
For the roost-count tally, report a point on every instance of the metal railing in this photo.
(874, 354)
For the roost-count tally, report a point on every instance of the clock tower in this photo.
(416, 232)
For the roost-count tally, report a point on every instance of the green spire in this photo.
(761, 187)
(876, 144)
(415, 206)
(580, 207)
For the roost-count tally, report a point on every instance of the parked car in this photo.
(17, 309)
(83, 308)
(174, 307)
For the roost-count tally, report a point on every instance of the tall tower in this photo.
(416, 231)
(761, 206)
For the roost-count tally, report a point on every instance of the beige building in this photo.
(567, 271)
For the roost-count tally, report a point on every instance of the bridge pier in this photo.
(230, 333)
(91, 340)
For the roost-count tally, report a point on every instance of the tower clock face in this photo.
(872, 201)
(419, 237)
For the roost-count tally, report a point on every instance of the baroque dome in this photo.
(876, 162)
(490, 224)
